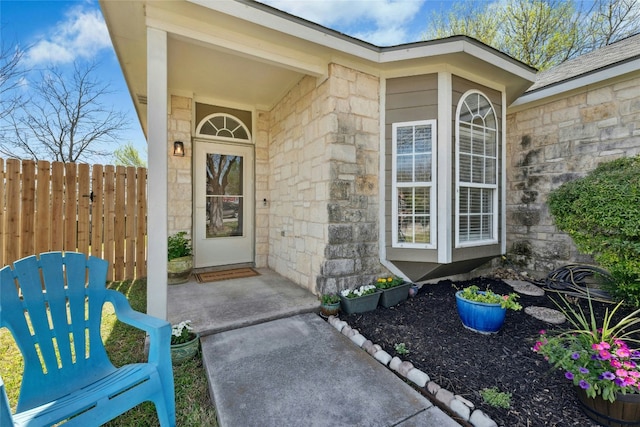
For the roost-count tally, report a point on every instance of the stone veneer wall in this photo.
(179, 168)
(554, 143)
(323, 185)
(262, 172)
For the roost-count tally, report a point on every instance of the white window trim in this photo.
(495, 187)
(239, 124)
(433, 217)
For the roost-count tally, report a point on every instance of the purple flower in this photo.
(607, 376)
(583, 370)
(575, 356)
(584, 385)
(619, 382)
(568, 375)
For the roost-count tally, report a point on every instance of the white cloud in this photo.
(83, 34)
(381, 22)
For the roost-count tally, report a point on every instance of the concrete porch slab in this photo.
(230, 304)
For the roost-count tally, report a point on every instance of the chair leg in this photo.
(166, 418)
(5, 410)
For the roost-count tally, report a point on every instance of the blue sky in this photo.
(58, 32)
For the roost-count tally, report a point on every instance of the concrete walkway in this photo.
(272, 361)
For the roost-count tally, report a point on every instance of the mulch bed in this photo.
(466, 362)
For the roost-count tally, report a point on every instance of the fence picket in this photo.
(63, 206)
(12, 224)
(83, 197)
(97, 210)
(27, 208)
(70, 207)
(43, 207)
(109, 215)
(141, 222)
(130, 222)
(119, 231)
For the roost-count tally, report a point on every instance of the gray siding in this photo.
(407, 99)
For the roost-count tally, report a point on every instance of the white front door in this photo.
(223, 204)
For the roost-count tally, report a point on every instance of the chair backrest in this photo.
(52, 304)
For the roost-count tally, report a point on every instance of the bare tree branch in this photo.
(66, 119)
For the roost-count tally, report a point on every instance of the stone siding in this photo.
(550, 144)
(262, 172)
(323, 182)
(179, 168)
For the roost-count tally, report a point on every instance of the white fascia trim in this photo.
(577, 83)
(255, 15)
(444, 196)
(457, 46)
(294, 61)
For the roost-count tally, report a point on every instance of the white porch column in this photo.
(157, 110)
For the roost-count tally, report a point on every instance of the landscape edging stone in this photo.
(456, 404)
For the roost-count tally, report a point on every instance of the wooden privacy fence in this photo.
(95, 209)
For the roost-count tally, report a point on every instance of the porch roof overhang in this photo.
(245, 53)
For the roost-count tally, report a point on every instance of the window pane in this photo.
(423, 168)
(423, 139)
(464, 200)
(490, 121)
(478, 140)
(404, 140)
(422, 200)
(490, 146)
(477, 170)
(465, 168)
(465, 138)
(487, 201)
(474, 228)
(404, 169)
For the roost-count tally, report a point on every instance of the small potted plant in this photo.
(364, 298)
(598, 360)
(329, 304)
(180, 259)
(184, 342)
(394, 290)
(484, 311)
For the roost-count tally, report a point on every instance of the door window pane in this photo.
(224, 198)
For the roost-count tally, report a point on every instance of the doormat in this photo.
(236, 273)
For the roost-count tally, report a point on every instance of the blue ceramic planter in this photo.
(479, 316)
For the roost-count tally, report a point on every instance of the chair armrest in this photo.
(5, 411)
(159, 330)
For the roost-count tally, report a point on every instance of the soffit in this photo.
(245, 55)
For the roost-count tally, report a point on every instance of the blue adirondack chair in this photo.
(53, 307)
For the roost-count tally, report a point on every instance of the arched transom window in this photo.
(477, 171)
(223, 126)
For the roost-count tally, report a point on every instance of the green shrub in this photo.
(601, 213)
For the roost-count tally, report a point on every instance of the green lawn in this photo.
(125, 344)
